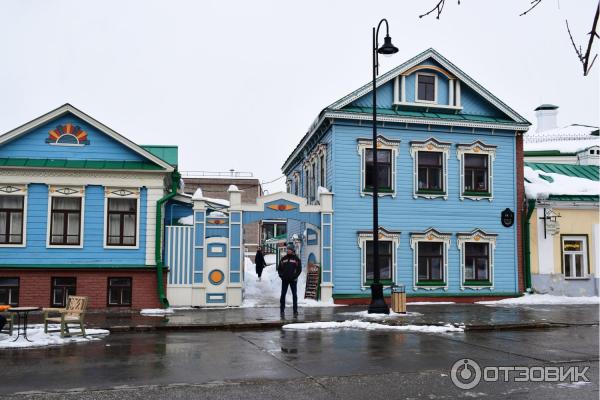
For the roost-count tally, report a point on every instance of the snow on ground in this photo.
(156, 312)
(38, 338)
(266, 292)
(365, 314)
(537, 187)
(543, 299)
(371, 326)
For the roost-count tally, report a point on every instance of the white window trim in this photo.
(17, 190)
(430, 235)
(55, 191)
(476, 147)
(476, 236)
(586, 266)
(435, 88)
(120, 193)
(383, 143)
(430, 145)
(384, 235)
(296, 184)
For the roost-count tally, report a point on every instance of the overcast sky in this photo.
(235, 84)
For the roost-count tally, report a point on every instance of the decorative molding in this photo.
(383, 143)
(430, 235)
(384, 235)
(122, 192)
(431, 67)
(476, 147)
(66, 191)
(9, 189)
(67, 135)
(430, 145)
(17, 190)
(478, 236)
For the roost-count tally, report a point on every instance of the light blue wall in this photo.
(406, 214)
(35, 253)
(101, 147)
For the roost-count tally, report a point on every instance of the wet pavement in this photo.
(348, 364)
(474, 316)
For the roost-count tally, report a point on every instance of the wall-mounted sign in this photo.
(311, 237)
(507, 217)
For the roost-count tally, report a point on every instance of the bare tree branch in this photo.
(534, 3)
(438, 7)
(584, 58)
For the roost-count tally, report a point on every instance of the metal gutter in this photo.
(527, 243)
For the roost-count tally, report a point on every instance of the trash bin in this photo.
(399, 299)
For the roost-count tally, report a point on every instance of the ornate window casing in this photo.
(384, 235)
(17, 191)
(315, 172)
(296, 183)
(71, 192)
(476, 236)
(430, 235)
(478, 148)
(428, 75)
(122, 193)
(383, 143)
(430, 145)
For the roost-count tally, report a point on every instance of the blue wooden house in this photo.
(80, 213)
(450, 181)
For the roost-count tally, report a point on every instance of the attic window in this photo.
(426, 87)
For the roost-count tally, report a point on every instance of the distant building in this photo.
(570, 144)
(215, 185)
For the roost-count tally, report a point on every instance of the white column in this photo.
(396, 90)
(450, 92)
(152, 196)
(594, 249)
(457, 93)
(403, 90)
(545, 246)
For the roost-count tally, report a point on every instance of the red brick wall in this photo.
(35, 286)
(519, 212)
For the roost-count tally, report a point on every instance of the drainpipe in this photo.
(527, 243)
(175, 177)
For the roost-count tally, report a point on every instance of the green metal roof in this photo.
(546, 107)
(569, 197)
(546, 153)
(78, 164)
(429, 115)
(168, 154)
(591, 172)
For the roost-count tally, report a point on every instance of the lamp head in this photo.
(387, 49)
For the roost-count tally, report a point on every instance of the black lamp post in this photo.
(378, 304)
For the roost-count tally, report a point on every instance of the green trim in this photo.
(572, 197)
(546, 153)
(477, 283)
(78, 164)
(369, 189)
(167, 153)
(385, 282)
(75, 266)
(431, 283)
(477, 194)
(591, 172)
(430, 191)
(430, 294)
(527, 242)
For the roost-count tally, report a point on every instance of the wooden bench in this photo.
(10, 320)
(73, 313)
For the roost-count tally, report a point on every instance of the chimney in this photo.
(546, 117)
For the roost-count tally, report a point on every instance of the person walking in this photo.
(289, 270)
(259, 261)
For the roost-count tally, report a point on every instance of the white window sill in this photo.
(13, 245)
(576, 278)
(427, 104)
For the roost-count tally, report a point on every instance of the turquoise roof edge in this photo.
(167, 153)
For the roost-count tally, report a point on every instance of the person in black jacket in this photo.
(260, 262)
(289, 270)
(2, 322)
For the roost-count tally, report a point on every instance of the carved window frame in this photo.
(479, 148)
(383, 143)
(476, 236)
(21, 191)
(430, 235)
(430, 145)
(384, 235)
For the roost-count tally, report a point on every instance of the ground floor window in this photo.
(119, 291)
(575, 263)
(9, 291)
(62, 288)
(477, 261)
(385, 261)
(431, 262)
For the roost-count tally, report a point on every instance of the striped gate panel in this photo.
(179, 254)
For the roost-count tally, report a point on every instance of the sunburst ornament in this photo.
(67, 134)
(282, 207)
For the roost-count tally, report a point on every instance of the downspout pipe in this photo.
(175, 177)
(530, 208)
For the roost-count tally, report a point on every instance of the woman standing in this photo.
(259, 261)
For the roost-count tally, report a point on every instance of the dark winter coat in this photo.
(259, 260)
(289, 268)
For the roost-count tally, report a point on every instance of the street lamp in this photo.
(378, 304)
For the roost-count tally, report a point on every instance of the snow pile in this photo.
(266, 292)
(189, 220)
(218, 214)
(543, 299)
(537, 187)
(156, 312)
(322, 190)
(38, 338)
(233, 188)
(365, 314)
(372, 326)
(198, 195)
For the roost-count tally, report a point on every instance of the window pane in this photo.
(126, 296)
(120, 282)
(430, 248)
(129, 205)
(11, 202)
(114, 296)
(573, 245)
(470, 268)
(480, 178)
(430, 158)
(58, 220)
(57, 297)
(9, 281)
(579, 265)
(482, 268)
(73, 224)
(66, 203)
(567, 265)
(16, 223)
(435, 179)
(476, 249)
(476, 160)
(426, 87)
(436, 268)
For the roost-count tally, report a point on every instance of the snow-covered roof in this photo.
(540, 184)
(568, 139)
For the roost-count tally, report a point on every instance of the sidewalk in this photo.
(472, 316)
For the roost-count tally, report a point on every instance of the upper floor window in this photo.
(575, 263)
(430, 168)
(12, 210)
(387, 151)
(426, 87)
(322, 180)
(122, 222)
(477, 259)
(476, 172)
(65, 221)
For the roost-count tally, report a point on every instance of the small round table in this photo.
(22, 312)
